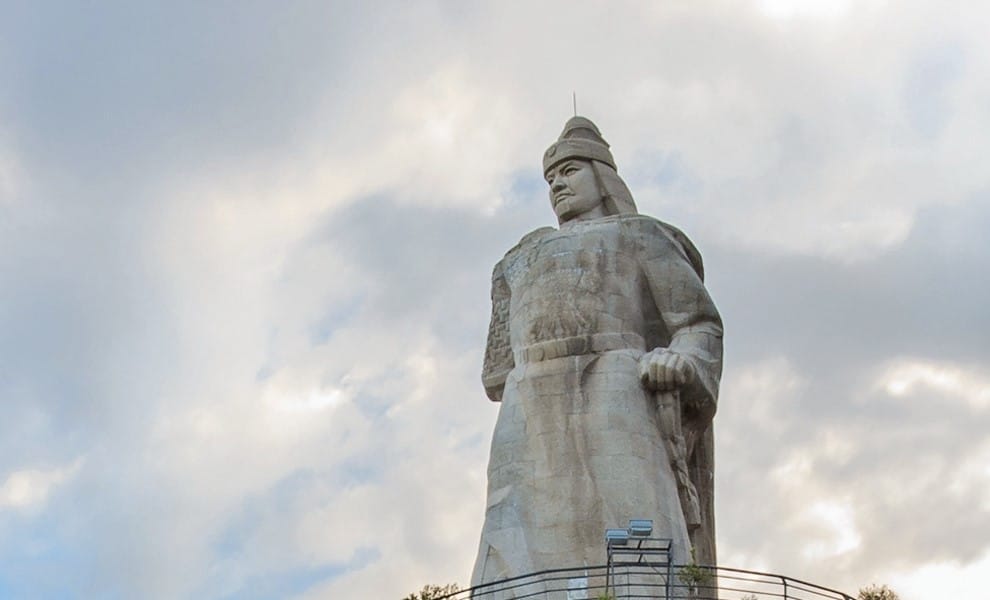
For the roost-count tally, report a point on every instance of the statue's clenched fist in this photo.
(664, 371)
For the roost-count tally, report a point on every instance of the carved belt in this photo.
(579, 344)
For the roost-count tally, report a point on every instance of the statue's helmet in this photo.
(582, 140)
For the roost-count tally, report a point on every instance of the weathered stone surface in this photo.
(605, 351)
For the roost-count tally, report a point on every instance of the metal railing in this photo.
(649, 582)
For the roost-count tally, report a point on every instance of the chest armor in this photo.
(578, 281)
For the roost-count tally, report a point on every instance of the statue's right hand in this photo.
(663, 370)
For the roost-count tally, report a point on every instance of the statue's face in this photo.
(573, 190)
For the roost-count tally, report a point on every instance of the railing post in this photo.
(783, 580)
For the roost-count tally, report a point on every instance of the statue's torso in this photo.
(581, 280)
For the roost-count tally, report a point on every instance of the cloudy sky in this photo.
(245, 252)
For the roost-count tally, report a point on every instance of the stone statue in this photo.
(605, 351)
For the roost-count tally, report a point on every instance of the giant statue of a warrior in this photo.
(605, 351)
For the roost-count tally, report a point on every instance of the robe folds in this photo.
(577, 446)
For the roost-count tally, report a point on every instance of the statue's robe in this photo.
(577, 446)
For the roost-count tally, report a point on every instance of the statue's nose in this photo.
(556, 184)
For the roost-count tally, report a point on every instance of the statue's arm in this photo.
(498, 351)
(674, 273)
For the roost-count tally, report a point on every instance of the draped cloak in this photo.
(577, 446)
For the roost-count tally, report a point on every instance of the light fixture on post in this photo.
(617, 537)
(640, 527)
(643, 563)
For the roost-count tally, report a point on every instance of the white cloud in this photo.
(788, 9)
(941, 579)
(908, 376)
(838, 534)
(10, 179)
(755, 394)
(29, 489)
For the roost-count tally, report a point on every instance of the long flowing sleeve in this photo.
(691, 323)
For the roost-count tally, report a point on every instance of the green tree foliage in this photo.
(433, 592)
(877, 592)
(693, 575)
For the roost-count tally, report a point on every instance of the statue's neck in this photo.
(595, 213)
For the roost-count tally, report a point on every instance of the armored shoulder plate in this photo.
(498, 352)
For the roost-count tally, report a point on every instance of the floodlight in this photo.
(640, 527)
(616, 537)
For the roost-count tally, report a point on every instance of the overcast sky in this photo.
(245, 252)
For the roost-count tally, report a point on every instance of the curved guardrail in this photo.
(649, 582)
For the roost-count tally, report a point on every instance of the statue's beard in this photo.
(571, 206)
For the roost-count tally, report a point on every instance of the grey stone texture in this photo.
(605, 351)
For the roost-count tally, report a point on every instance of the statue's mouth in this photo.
(561, 196)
